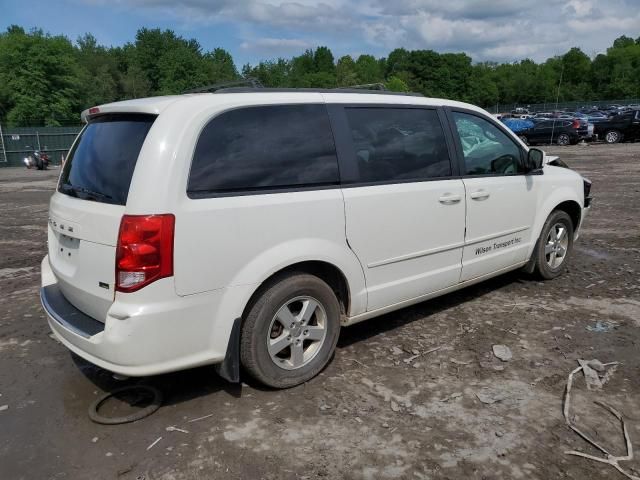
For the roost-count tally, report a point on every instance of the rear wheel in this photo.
(290, 331)
(563, 139)
(554, 245)
(612, 136)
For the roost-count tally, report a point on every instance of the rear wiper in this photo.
(73, 189)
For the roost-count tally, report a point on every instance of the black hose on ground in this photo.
(140, 414)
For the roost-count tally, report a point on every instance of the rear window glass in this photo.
(100, 165)
(264, 148)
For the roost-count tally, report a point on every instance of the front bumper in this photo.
(140, 337)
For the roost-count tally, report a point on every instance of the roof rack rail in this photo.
(246, 82)
(314, 90)
(368, 86)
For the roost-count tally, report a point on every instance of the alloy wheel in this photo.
(563, 139)
(612, 137)
(297, 332)
(556, 246)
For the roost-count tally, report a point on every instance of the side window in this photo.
(268, 147)
(398, 144)
(487, 150)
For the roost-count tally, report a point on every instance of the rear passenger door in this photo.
(404, 204)
(501, 199)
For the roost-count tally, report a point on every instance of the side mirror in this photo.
(535, 157)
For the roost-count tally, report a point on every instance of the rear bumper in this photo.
(58, 308)
(140, 337)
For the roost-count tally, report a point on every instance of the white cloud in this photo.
(276, 45)
(501, 30)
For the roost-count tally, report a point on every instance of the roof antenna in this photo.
(553, 126)
(246, 82)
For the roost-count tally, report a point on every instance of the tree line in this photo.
(48, 79)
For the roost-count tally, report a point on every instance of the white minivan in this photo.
(244, 228)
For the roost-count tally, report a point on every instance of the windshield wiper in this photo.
(68, 188)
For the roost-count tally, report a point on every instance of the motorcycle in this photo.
(38, 160)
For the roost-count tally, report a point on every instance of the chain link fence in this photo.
(18, 142)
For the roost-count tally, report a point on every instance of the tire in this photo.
(563, 139)
(612, 136)
(548, 262)
(285, 300)
(524, 139)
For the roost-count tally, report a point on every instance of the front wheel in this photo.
(290, 331)
(554, 245)
(612, 136)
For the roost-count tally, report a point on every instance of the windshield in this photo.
(100, 165)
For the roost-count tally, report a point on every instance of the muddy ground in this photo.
(377, 411)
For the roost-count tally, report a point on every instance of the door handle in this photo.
(480, 195)
(449, 199)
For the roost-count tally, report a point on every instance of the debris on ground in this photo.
(453, 396)
(173, 428)
(433, 350)
(4, 407)
(502, 352)
(200, 418)
(589, 368)
(411, 359)
(489, 399)
(601, 327)
(357, 361)
(458, 362)
(154, 443)
(94, 439)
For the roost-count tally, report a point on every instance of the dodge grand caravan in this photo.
(244, 228)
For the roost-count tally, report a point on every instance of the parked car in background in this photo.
(560, 131)
(597, 117)
(622, 127)
(521, 113)
(543, 115)
(585, 129)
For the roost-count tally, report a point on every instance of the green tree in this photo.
(220, 66)
(98, 71)
(395, 84)
(368, 69)
(346, 73)
(39, 78)
(323, 61)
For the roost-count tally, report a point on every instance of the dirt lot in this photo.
(377, 411)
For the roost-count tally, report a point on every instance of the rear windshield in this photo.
(100, 165)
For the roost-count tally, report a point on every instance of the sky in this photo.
(253, 30)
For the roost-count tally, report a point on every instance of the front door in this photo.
(405, 212)
(500, 198)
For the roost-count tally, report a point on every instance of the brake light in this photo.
(576, 124)
(145, 251)
(94, 110)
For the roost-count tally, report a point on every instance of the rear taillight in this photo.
(576, 124)
(145, 250)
